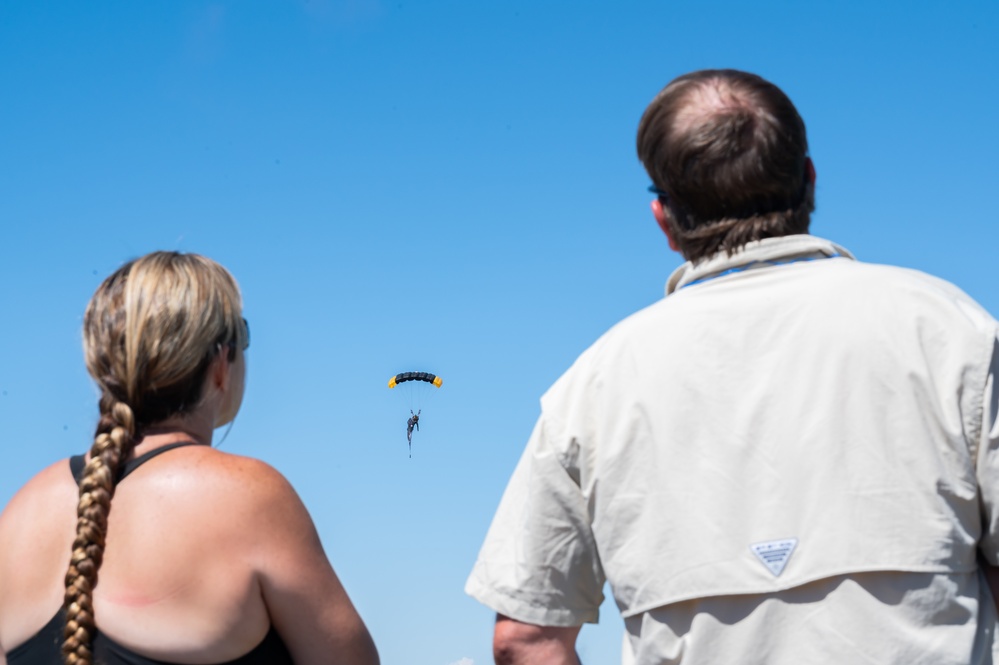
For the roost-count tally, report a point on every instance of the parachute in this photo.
(415, 376)
(419, 383)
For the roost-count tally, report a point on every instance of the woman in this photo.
(207, 557)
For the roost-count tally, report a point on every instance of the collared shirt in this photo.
(787, 423)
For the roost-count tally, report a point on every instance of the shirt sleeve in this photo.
(988, 463)
(539, 563)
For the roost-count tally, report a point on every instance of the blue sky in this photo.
(440, 186)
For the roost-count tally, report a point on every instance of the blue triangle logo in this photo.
(774, 554)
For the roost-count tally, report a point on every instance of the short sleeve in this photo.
(539, 563)
(988, 463)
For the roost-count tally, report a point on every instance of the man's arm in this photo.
(992, 577)
(987, 468)
(539, 562)
(518, 643)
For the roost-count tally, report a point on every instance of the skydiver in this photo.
(414, 421)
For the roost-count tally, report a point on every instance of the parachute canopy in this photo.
(415, 376)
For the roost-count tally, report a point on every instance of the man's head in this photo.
(729, 151)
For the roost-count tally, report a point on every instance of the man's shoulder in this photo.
(918, 289)
(623, 339)
(902, 287)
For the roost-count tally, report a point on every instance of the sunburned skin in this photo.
(128, 599)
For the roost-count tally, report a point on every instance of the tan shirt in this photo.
(785, 417)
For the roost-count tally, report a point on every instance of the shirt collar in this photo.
(783, 249)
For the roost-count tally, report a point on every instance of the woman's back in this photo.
(194, 556)
(180, 579)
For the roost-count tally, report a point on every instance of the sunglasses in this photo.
(246, 339)
(663, 196)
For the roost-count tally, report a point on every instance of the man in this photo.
(414, 421)
(789, 459)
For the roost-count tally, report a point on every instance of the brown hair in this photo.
(150, 333)
(730, 150)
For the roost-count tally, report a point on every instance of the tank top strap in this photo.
(142, 459)
(77, 463)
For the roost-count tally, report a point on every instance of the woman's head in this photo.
(151, 334)
(153, 328)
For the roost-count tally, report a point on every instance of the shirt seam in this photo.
(742, 591)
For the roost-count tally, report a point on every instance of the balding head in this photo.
(730, 150)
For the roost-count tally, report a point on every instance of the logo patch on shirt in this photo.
(775, 553)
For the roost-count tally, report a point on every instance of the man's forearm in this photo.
(992, 577)
(518, 643)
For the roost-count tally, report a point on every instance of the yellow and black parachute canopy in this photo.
(415, 376)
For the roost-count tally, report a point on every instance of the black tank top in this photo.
(45, 646)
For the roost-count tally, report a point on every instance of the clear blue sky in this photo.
(441, 186)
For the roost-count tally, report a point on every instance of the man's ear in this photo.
(662, 218)
(810, 170)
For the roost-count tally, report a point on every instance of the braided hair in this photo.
(151, 331)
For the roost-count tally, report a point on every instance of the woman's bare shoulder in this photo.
(235, 485)
(240, 503)
(36, 529)
(40, 498)
(231, 473)
(265, 488)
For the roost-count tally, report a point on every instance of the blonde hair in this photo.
(150, 333)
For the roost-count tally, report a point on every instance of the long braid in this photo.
(112, 444)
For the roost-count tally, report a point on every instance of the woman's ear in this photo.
(219, 371)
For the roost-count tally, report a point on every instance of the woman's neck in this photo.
(195, 427)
